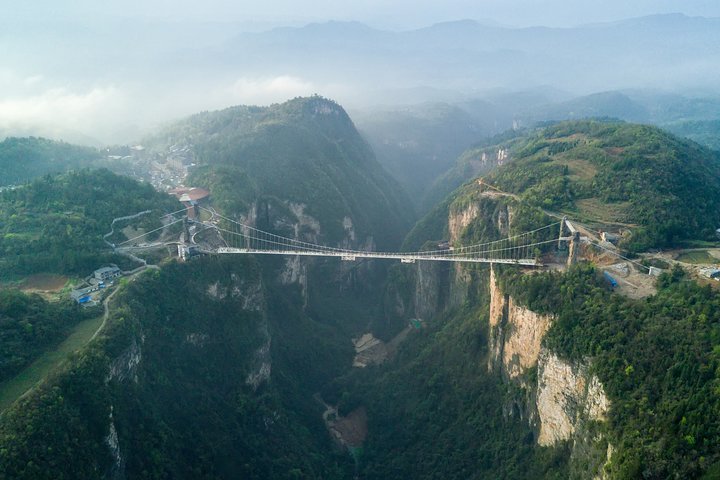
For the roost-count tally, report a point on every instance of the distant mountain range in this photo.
(661, 51)
(133, 74)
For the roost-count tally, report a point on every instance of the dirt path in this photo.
(106, 302)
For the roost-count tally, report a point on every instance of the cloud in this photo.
(33, 80)
(93, 110)
(264, 91)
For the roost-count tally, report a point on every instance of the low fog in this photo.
(97, 76)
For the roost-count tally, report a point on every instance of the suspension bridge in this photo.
(240, 238)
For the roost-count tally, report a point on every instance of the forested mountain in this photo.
(550, 375)
(243, 344)
(305, 152)
(23, 159)
(663, 188)
(418, 143)
(450, 406)
(57, 222)
(224, 366)
(178, 386)
(29, 325)
(706, 132)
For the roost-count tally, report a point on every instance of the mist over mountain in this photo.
(112, 78)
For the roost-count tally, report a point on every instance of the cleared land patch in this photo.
(44, 282)
(597, 210)
(697, 257)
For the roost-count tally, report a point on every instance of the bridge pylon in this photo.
(561, 238)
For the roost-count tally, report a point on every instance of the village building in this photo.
(710, 272)
(82, 295)
(186, 252)
(190, 197)
(609, 237)
(107, 273)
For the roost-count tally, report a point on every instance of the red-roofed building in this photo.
(190, 197)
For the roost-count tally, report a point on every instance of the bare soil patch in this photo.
(351, 430)
(44, 282)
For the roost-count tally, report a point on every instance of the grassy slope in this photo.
(13, 388)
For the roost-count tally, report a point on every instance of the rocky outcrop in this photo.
(566, 396)
(263, 362)
(124, 367)
(307, 228)
(117, 468)
(428, 290)
(294, 272)
(602, 474)
(248, 292)
(516, 334)
(522, 339)
(459, 220)
(349, 240)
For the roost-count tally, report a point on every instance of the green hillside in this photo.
(305, 151)
(205, 327)
(664, 189)
(29, 325)
(656, 357)
(704, 132)
(56, 223)
(23, 159)
(475, 161)
(211, 368)
(185, 408)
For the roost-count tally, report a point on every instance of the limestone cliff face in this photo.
(499, 213)
(516, 334)
(249, 293)
(566, 395)
(428, 294)
(459, 220)
(124, 367)
(562, 397)
(306, 227)
(252, 298)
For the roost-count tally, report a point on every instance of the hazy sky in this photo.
(381, 13)
(109, 69)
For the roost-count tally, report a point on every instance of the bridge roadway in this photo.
(405, 258)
